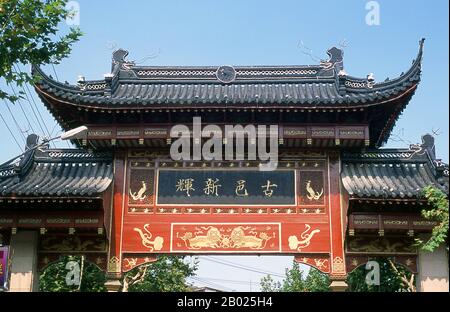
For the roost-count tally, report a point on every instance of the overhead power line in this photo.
(17, 69)
(54, 71)
(242, 267)
(212, 284)
(15, 121)
(32, 109)
(227, 262)
(12, 134)
(228, 281)
(26, 116)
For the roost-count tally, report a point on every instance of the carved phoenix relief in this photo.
(140, 194)
(313, 194)
(305, 238)
(146, 237)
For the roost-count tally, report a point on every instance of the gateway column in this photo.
(24, 272)
(433, 270)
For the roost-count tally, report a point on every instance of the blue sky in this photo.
(257, 32)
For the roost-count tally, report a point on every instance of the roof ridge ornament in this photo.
(336, 59)
(118, 59)
(420, 54)
(226, 74)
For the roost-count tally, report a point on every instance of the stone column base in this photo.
(113, 285)
(338, 286)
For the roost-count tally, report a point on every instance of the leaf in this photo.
(29, 35)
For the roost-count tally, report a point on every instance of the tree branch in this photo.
(409, 284)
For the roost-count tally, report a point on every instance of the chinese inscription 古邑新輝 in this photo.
(212, 187)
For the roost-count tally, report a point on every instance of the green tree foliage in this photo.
(268, 284)
(315, 281)
(53, 278)
(28, 35)
(168, 274)
(391, 280)
(438, 202)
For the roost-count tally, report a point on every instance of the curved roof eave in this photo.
(334, 87)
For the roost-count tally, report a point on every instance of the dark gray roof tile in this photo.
(59, 173)
(317, 85)
(390, 174)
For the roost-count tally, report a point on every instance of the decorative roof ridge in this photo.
(237, 67)
(416, 153)
(268, 80)
(124, 71)
(384, 154)
(130, 70)
(92, 86)
(46, 155)
(72, 155)
(368, 84)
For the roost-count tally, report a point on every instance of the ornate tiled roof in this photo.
(324, 85)
(394, 173)
(57, 172)
(322, 93)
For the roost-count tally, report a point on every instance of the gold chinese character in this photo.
(212, 187)
(185, 185)
(267, 189)
(240, 188)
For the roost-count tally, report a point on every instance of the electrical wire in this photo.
(228, 281)
(54, 70)
(17, 69)
(26, 116)
(12, 134)
(242, 267)
(39, 113)
(212, 284)
(32, 109)
(15, 120)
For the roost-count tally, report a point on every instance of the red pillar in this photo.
(114, 270)
(337, 222)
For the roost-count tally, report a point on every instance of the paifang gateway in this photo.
(336, 199)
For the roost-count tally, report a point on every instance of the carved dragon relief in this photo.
(146, 237)
(72, 243)
(130, 262)
(305, 238)
(320, 263)
(238, 238)
(380, 245)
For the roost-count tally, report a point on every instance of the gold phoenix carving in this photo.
(312, 194)
(146, 237)
(305, 238)
(139, 195)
